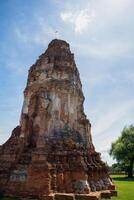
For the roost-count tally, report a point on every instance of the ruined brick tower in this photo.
(51, 151)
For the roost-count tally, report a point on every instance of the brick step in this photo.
(91, 196)
(47, 197)
(112, 187)
(113, 193)
(61, 196)
(106, 194)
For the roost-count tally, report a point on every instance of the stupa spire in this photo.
(51, 151)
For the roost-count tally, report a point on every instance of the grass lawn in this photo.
(125, 187)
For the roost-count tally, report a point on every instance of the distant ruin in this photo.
(50, 155)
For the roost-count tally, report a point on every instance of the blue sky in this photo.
(100, 33)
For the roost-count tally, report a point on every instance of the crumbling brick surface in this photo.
(51, 150)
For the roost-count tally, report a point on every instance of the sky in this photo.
(100, 34)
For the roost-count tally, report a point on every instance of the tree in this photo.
(123, 149)
(117, 168)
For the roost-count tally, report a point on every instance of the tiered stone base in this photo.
(107, 194)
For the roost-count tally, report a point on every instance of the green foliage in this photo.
(123, 149)
(120, 168)
(117, 168)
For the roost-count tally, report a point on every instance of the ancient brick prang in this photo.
(51, 151)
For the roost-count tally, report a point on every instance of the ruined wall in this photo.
(51, 150)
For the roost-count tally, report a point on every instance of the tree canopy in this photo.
(123, 149)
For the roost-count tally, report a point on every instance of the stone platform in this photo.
(92, 196)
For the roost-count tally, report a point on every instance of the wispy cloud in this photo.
(109, 118)
(79, 19)
(108, 31)
(108, 124)
(106, 50)
(40, 36)
(129, 76)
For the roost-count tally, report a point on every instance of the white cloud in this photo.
(109, 118)
(106, 27)
(129, 76)
(79, 19)
(82, 21)
(66, 16)
(106, 50)
(108, 126)
(21, 35)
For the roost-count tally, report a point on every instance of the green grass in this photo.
(125, 187)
